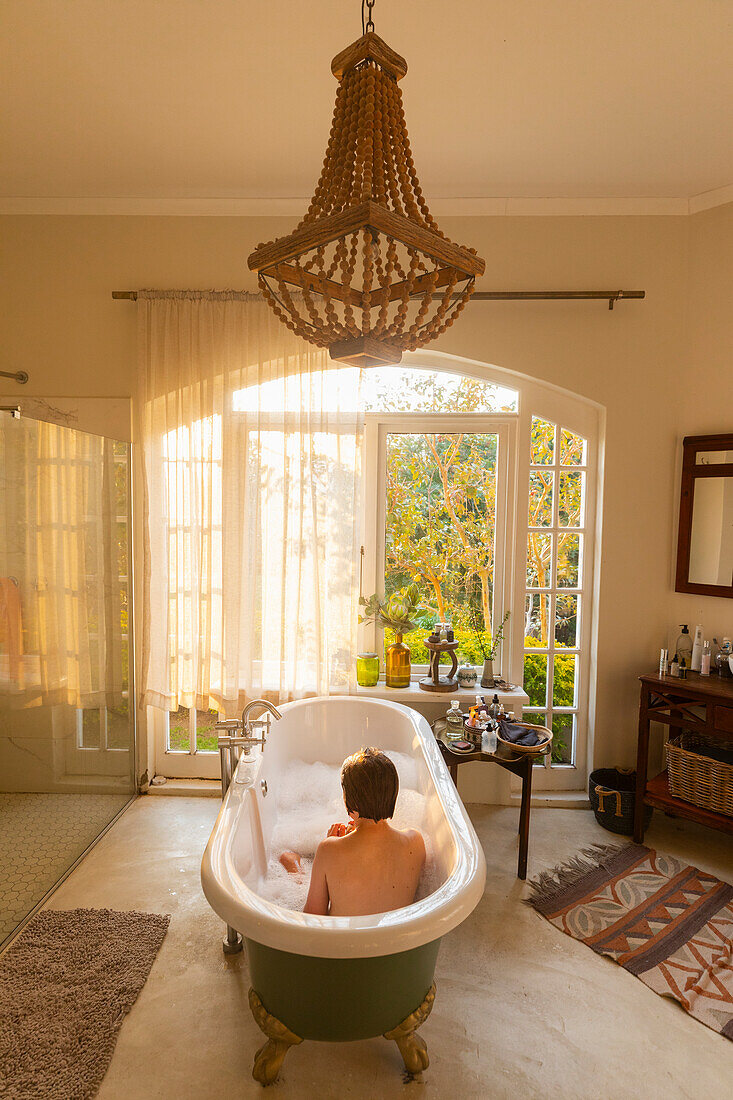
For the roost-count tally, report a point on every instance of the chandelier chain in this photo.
(367, 21)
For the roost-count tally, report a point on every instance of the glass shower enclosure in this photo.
(67, 725)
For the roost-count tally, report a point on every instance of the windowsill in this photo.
(512, 700)
(187, 788)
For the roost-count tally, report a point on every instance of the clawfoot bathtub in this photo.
(339, 978)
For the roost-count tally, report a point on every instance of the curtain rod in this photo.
(611, 296)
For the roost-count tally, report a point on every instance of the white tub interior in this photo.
(325, 731)
(301, 765)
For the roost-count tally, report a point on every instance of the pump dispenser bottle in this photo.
(684, 647)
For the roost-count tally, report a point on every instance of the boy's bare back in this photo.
(372, 869)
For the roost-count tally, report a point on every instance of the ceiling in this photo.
(152, 105)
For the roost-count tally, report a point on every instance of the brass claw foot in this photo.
(269, 1058)
(413, 1047)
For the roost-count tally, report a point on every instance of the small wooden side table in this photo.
(700, 703)
(518, 763)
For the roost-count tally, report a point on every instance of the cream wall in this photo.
(662, 368)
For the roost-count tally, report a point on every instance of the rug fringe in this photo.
(549, 885)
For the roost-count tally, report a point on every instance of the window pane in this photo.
(571, 502)
(563, 726)
(410, 389)
(563, 681)
(543, 442)
(535, 679)
(568, 560)
(572, 449)
(441, 511)
(178, 730)
(566, 620)
(120, 477)
(535, 718)
(122, 548)
(540, 498)
(539, 560)
(91, 731)
(118, 727)
(384, 389)
(536, 616)
(206, 737)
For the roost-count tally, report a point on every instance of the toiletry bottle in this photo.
(481, 723)
(674, 668)
(684, 646)
(494, 708)
(714, 651)
(663, 663)
(705, 659)
(696, 650)
(474, 728)
(724, 669)
(454, 721)
(490, 738)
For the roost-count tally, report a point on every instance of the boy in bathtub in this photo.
(366, 866)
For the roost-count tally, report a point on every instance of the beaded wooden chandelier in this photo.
(372, 272)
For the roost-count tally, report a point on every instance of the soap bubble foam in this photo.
(309, 801)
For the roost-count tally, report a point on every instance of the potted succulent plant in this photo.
(489, 649)
(394, 613)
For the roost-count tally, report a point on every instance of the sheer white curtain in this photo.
(61, 634)
(251, 453)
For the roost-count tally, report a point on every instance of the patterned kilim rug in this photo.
(666, 922)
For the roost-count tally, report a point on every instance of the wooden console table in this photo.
(518, 763)
(669, 700)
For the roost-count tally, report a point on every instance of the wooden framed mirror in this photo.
(705, 539)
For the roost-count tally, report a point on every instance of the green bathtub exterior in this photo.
(340, 1000)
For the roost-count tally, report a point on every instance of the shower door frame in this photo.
(79, 414)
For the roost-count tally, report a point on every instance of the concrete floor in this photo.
(521, 1010)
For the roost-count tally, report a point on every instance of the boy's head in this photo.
(370, 783)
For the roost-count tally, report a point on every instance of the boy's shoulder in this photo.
(329, 845)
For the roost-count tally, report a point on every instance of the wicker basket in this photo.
(542, 749)
(612, 793)
(696, 778)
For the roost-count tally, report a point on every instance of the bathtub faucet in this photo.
(231, 742)
(263, 723)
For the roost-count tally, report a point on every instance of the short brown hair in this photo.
(370, 783)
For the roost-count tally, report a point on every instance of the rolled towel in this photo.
(517, 735)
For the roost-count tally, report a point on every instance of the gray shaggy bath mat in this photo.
(66, 985)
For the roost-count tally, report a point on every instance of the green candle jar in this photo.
(367, 670)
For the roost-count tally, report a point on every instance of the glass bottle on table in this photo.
(454, 722)
(722, 662)
(684, 647)
(705, 659)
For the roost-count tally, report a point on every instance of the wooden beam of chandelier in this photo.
(373, 274)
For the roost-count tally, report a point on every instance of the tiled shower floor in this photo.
(40, 837)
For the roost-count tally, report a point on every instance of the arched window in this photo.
(478, 481)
